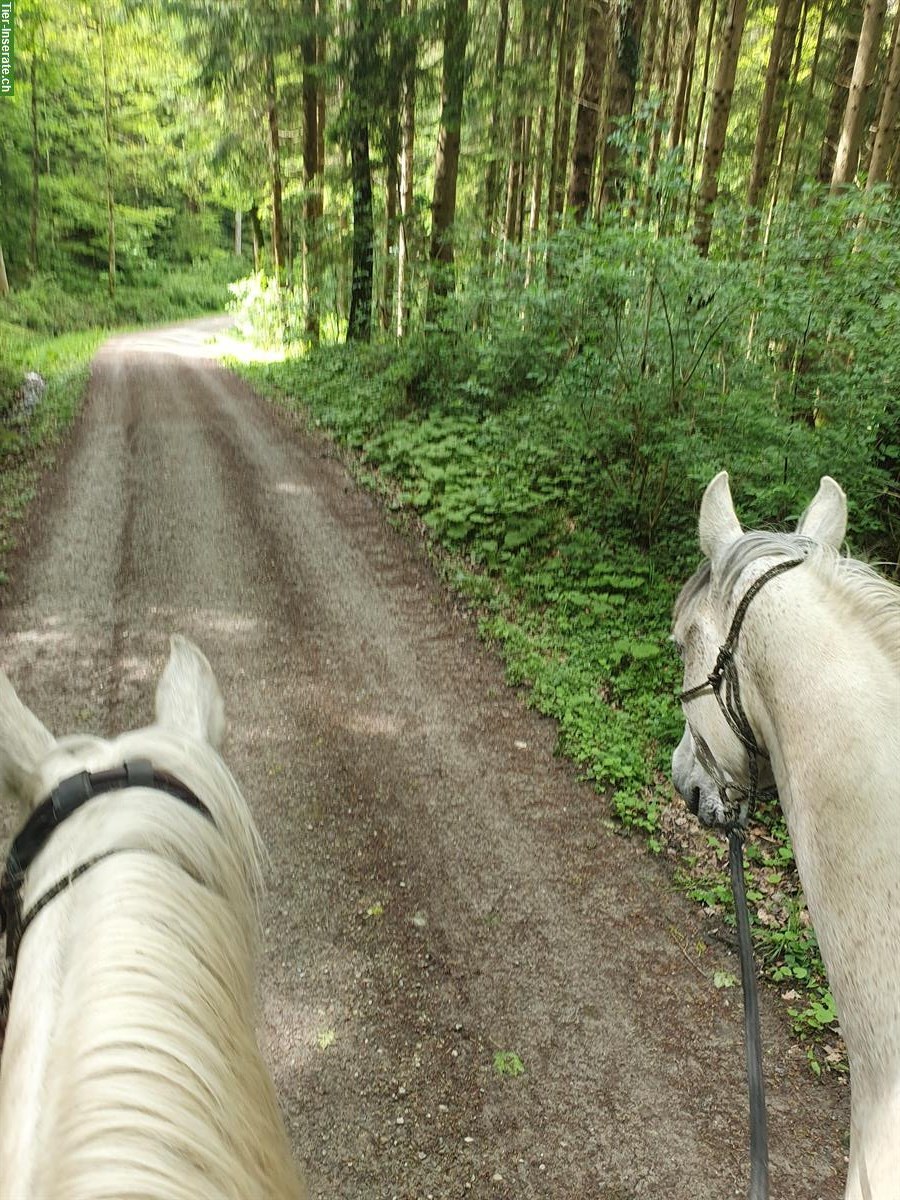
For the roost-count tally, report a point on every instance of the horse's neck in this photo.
(826, 701)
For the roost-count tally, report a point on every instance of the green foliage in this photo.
(508, 1064)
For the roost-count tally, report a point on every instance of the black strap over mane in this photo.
(66, 798)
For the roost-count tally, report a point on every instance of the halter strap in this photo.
(729, 700)
(65, 799)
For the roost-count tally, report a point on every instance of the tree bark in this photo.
(847, 156)
(446, 164)
(780, 52)
(685, 76)
(537, 179)
(629, 15)
(720, 111)
(701, 107)
(258, 239)
(408, 137)
(359, 324)
(842, 73)
(107, 125)
(587, 115)
(662, 79)
(321, 60)
(392, 164)
(886, 134)
(312, 202)
(492, 174)
(275, 166)
(562, 111)
(810, 96)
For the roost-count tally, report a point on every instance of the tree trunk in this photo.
(107, 124)
(851, 128)
(35, 165)
(312, 202)
(258, 240)
(786, 133)
(886, 134)
(321, 60)
(587, 115)
(537, 179)
(562, 111)
(238, 245)
(492, 174)
(630, 18)
(359, 323)
(446, 163)
(391, 9)
(810, 96)
(408, 137)
(4, 282)
(701, 107)
(662, 78)
(770, 105)
(275, 165)
(720, 110)
(685, 76)
(842, 74)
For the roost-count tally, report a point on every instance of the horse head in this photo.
(188, 702)
(711, 759)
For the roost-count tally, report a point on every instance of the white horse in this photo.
(818, 667)
(130, 1067)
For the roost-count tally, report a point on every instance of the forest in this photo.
(541, 266)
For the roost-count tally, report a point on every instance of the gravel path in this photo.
(441, 888)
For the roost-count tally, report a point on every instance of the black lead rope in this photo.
(759, 1137)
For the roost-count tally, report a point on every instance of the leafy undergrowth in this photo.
(28, 444)
(524, 531)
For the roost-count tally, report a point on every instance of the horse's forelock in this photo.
(873, 598)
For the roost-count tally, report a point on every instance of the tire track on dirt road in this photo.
(440, 886)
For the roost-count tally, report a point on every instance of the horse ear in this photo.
(24, 744)
(826, 518)
(187, 695)
(719, 526)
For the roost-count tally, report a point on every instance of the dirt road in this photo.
(441, 888)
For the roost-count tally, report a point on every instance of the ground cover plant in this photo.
(555, 454)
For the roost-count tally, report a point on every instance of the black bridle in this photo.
(65, 799)
(722, 681)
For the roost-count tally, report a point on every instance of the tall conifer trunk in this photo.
(275, 167)
(847, 156)
(587, 114)
(720, 111)
(408, 138)
(359, 323)
(446, 163)
(312, 203)
(843, 71)
(885, 143)
(628, 20)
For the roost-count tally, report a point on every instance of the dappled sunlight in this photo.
(287, 488)
(208, 338)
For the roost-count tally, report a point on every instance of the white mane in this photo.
(145, 1080)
